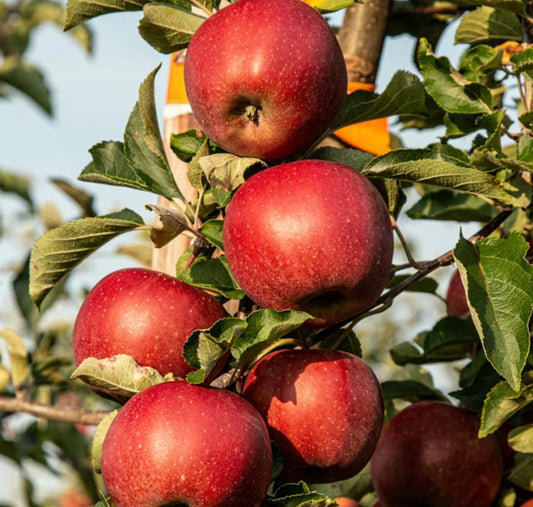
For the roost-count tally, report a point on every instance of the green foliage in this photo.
(479, 170)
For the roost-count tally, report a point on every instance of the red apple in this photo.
(456, 302)
(310, 235)
(323, 408)
(430, 454)
(180, 444)
(146, 314)
(529, 503)
(265, 78)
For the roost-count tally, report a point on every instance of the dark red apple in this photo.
(145, 314)
(310, 235)
(323, 408)
(429, 454)
(265, 78)
(456, 302)
(180, 444)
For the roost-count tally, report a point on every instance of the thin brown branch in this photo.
(51, 412)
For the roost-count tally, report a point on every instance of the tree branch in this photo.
(51, 412)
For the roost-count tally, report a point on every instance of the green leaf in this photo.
(98, 440)
(120, 375)
(265, 327)
(225, 171)
(410, 390)
(18, 356)
(79, 11)
(59, 250)
(212, 275)
(212, 230)
(299, 495)
(521, 474)
(488, 24)
(429, 167)
(499, 286)
(329, 5)
(426, 284)
(205, 348)
(448, 340)
(16, 184)
(516, 6)
(140, 161)
(168, 28)
(448, 88)
(84, 200)
(28, 80)
(186, 144)
(450, 205)
(502, 402)
(521, 438)
(173, 223)
(403, 95)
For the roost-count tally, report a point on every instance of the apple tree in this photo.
(289, 228)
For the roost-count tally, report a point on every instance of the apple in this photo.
(529, 503)
(430, 454)
(456, 302)
(310, 235)
(181, 444)
(344, 501)
(323, 408)
(74, 498)
(265, 78)
(146, 314)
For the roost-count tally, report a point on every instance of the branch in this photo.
(51, 412)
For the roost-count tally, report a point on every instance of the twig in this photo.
(51, 412)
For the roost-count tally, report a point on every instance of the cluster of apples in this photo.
(266, 78)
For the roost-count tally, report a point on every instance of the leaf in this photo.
(80, 197)
(499, 286)
(18, 356)
(139, 162)
(410, 390)
(173, 223)
(205, 348)
(299, 495)
(448, 88)
(186, 144)
(226, 171)
(502, 402)
(450, 205)
(79, 11)
(98, 440)
(168, 28)
(488, 24)
(447, 341)
(426, 284)
(265, 327)
(403, 95)
(212, 230)
(213, 275)
(28, 80)
(59, 250)
(120, 375)
(521, 474)
(429, 167)
(516, 6)
(329, 5)
(521, 439)
(16, 184)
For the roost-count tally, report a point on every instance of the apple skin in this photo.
(529, 503)
(146, 314)
(177, 442)
(430, 454)
(309, 235)
(265, 78)
(323, 408)
(456, 302)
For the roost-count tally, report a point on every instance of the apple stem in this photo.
(253, 113)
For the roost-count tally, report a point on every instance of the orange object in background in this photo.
(371, 136)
